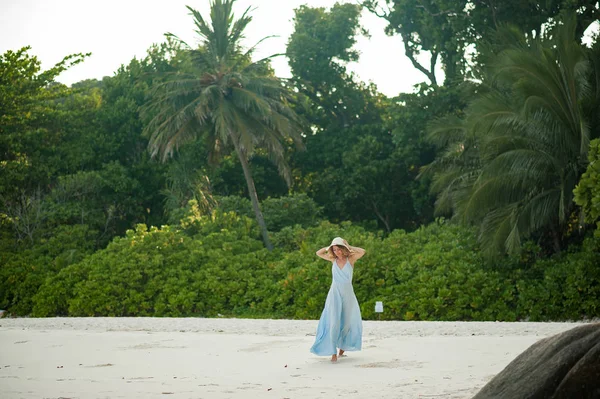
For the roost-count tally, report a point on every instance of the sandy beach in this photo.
(241, 358)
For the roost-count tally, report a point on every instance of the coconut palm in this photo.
(530, 137)
(222, 96)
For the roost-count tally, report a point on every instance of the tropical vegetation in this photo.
(194, 182)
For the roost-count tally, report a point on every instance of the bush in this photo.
(216, 264)
(434, 273)
(587, 192)
(25, 269)
(212, 267)
(297, 209)
(568, 286)
(302, 291)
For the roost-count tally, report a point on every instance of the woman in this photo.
(340, 325)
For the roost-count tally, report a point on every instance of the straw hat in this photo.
(338, 241)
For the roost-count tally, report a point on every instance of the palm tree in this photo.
(530, 137)
(222, 96)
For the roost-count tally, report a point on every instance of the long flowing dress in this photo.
(340, 325)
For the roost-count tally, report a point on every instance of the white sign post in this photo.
(379, 308)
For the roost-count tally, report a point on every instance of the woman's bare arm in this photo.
(355, 253)
(322, 253)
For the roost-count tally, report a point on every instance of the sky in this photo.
(116, 31)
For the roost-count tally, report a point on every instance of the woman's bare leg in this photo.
(333, 358)
(341, 352)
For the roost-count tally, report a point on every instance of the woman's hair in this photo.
(344, 250)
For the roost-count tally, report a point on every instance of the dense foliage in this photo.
(512, 163)
(475, 199)
(587, 192)
(216, 265)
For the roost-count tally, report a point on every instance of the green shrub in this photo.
(302, 291)
(25, 269)
(297, 209)
(565, 287)
(216, 264)
(212, 267)
(107, 200)
(434, 273)
(587, 192)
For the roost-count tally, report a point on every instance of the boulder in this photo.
(563, 366)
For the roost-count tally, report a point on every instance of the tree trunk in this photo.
(555, 240)
(451, 68)
(385, 220)
(408, 52)
(253, 196)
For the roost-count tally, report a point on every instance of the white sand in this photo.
(240, 358)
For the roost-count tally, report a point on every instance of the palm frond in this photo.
(527, 130)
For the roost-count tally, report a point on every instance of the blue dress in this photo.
(340, 325)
